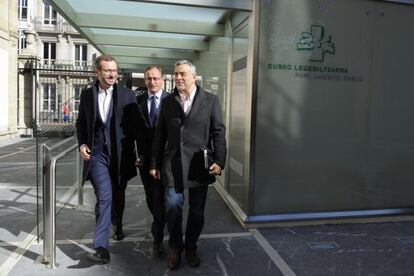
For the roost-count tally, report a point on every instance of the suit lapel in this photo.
(197, 101)
(163, 95)
(95, 102)
(144, 109)
(115, 105)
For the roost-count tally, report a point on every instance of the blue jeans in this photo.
(174, 215)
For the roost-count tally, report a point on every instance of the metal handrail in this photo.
(49, 205)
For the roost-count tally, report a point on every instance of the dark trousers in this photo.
(118, 202)
(154, 195)
(174, 214)
(99, 174)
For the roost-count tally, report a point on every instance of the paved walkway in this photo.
(226, 248)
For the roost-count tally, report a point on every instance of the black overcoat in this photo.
(178, 140)
(123, 122)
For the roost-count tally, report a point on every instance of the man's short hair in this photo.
(189, 63)
(152, 67)
(101, 58)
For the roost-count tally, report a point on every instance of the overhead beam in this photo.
(154, 42)
(122, 22)
(148, 52)
(129, 67)
(144, 61)
(245, 5)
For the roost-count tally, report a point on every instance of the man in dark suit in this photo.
(189, 122)
(149, 107)
(105, 130)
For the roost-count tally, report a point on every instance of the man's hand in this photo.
(85, 152)
(155, 173)
(139, 162)
(214, 169)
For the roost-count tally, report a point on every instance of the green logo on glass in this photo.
(317, 43)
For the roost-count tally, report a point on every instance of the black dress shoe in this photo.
(118, 234)
(192, 258)
(158, 247)
(174, 259)
(101, 256)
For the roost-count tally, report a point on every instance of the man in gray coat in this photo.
(189, 126)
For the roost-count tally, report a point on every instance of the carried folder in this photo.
(208, 158)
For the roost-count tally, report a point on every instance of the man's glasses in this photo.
(152, 79)
(107, 71)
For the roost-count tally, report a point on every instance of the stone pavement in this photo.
(363, 247)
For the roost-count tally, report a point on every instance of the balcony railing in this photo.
(61, 26)
(66, 65)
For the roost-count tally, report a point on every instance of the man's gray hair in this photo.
(189, 63)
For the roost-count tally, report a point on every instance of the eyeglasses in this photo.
(107, 71)
(154, 79)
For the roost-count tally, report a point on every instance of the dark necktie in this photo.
(153, 111)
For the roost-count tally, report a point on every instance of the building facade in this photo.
(55, 64)
(8, 70)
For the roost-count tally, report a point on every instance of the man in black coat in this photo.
(105, 131)
(149, 108)
(190, 124)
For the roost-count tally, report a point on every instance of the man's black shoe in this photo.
(158, 247)
(118, 234)
(174, 259)
(192, 258)
(101, 256)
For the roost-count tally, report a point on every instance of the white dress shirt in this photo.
(104, 102)
(187, 102)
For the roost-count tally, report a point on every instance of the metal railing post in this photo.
(49, 203)
(49, 209)
(80, 178)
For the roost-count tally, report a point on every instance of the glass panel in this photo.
(52, 50)
(334, 140)
(46, 10)
(53, 97)
(39, 187)
(46, 50)
(46, 13)
(66, 174)
(54, 17)
(77, 90)
(24, 13)
(77, 52)
(84, 53)
(237, 114)
(212, 67)
(45, 91)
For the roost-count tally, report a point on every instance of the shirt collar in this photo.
(158, 95)
(190, 97)
(109, 90)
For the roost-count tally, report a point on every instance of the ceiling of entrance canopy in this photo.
(140, 33)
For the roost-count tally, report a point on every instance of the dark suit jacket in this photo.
(179, 138)
(146, 132)
(122, 129)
